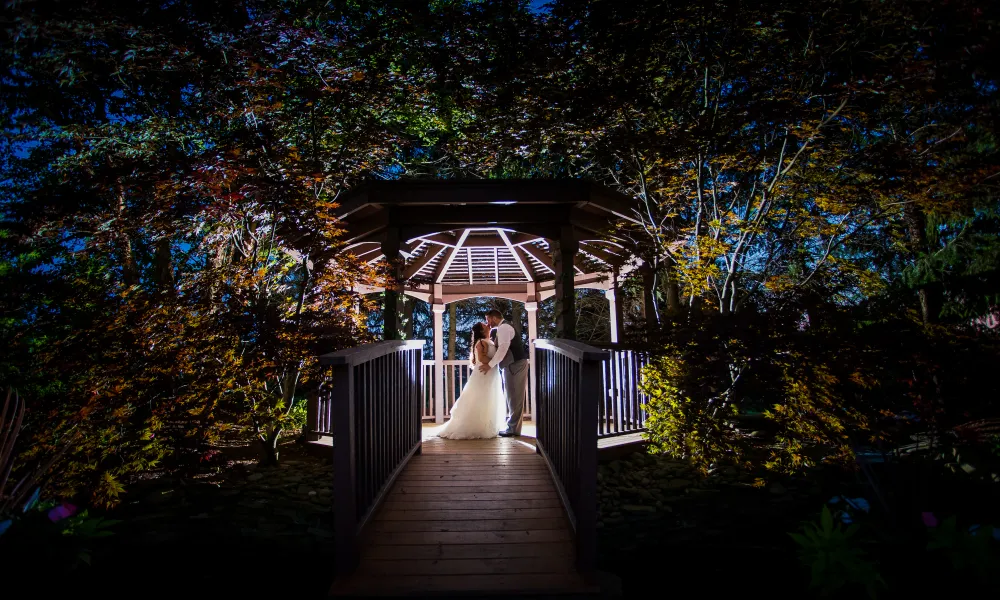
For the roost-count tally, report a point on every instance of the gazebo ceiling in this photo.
(485, 231)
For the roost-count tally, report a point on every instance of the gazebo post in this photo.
(531, 305)
(394, 285)
(614, 308)
(564, 254)
(438, 307)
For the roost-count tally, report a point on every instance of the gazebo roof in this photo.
(483, 232)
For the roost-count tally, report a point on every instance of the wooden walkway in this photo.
(470, 517)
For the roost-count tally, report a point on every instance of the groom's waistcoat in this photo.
(515, 352)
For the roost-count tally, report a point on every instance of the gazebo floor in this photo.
(469, 517)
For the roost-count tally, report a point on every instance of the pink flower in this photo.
(62, 511)
(929, 519)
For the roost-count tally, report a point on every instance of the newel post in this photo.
(344, 469)
(586, 510)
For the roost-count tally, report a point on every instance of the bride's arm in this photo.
(482, 354)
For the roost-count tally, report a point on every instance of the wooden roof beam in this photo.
(516, 255)
(452, 251)
(366, 229)
(414, 267)
(519, 238)
(442, 239)
(602, 255)
(370, 255)
(468, 256)
(539, 255)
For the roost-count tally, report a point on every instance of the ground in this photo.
(249, 530)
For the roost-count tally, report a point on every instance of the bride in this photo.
(481, 410)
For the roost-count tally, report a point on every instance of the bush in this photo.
(834, 384)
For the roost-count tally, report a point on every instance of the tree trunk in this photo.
(269, 447)
(671, 286)
(649, 296)
(163, 274)
(929, 295)
(130, 269)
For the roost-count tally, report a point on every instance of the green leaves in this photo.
(833, 557)
(965, 549)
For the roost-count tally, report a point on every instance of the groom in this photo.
(513, 360)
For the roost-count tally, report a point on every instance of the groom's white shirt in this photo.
(505, 333)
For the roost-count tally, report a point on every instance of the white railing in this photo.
(457, 372)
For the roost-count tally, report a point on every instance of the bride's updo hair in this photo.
(479, 332)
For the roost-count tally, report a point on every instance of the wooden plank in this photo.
(526, 484)
(431, 454)
(474, 450)
(453, 459)
(452, 473)
(412, 584)
(468, 566)
(529, 477)
(452, 551)
(459, 445)
(453, 495)
(445, 526)
(411, 489)
(474, 512)
(406, 538)
(459, 469)
(438, 502)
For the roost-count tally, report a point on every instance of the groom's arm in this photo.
(505, 333)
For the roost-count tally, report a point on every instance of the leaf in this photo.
(826, 520)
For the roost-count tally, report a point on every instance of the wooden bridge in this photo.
(500, 517)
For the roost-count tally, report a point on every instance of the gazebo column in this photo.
(531, 305)
(615, 310)
(393, 285)
(438, 308)
(564, 255)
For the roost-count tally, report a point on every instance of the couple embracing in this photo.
(486, 403)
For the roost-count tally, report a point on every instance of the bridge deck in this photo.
(470, 517)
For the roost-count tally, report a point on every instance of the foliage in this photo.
(19, 485)
(57, 534)
(834, 558)
(682, 422)
(170, 265)
(169, 204)
(965, 549)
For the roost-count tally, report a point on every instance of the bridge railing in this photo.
(568, 392)
(458, 372)
(619, 410)
(369, 400)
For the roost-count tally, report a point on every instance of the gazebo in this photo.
(524, 240)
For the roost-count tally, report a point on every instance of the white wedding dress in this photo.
(481, 410)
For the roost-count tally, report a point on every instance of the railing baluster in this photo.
(375, 407)
(569, 397)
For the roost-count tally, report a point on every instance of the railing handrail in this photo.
(623, 346)
(448, 361)
(367, 352)
(577, 351)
